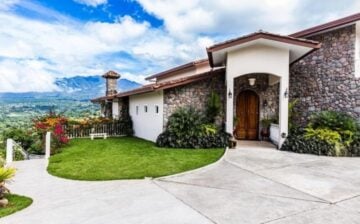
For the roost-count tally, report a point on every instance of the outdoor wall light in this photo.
(230, 94)
(252, 81)
(286, 94)
(265, 103)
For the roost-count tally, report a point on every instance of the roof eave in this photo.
(327, 26)
(176, 69)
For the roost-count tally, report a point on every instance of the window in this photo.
(157, 109)
(137, 110)
(146, 109)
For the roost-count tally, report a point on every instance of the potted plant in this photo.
(265, 128)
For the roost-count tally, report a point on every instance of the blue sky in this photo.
(41, 40)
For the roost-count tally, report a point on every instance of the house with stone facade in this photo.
(256, 76)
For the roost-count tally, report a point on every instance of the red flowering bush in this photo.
(53, 123)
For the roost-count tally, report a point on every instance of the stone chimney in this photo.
(111, 78)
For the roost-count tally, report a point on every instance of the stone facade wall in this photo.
(325, 79)
(111, 86)
(263, 90)
(123, 107)
(195, 95)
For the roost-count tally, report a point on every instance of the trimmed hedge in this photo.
(168, 139)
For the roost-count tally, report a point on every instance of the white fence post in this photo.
(9, 150)
(47, 145)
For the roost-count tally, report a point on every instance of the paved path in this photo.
(251, 185)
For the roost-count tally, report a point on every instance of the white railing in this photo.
(11, 148)
(9, 151)
(19, 148)
(47, 145)
(275, 133)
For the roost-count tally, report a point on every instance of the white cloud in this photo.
(35, 52)
(7, 4)
(114, 33)
(92, 3)
(184, 19)
(68, 47)
(64, 49)
(24, 76)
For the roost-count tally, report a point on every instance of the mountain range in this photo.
(77, 88)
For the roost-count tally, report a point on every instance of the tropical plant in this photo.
(334, 120)
(330, 137)
(296, 142)
(336, 128)
(328, 133)
(266, 122)
(5, 175)
(185, 122)
(187, 128)
(292, 113)
(213, 107)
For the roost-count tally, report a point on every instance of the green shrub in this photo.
(21, 136)
(186, 128)
(217, 140)
(328, 133)
(296, 142)
(37, 147)
(126, 120)
(334, 120)
(17, 155)
(292, 113)
(185, 122)
(213, 107)
(331, 137)
(337, 129)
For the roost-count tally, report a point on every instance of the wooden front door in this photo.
(247, 114)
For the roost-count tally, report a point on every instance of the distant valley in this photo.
(78, 88)
(72, 100)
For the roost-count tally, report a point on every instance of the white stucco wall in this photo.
(115, 109)
(259, 59)
(147, 125)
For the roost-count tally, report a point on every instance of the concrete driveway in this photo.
(252, 184)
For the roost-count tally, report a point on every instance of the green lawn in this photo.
(16, 203)
(125, 158)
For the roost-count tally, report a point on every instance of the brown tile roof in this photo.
(261, 35)
(327, 26)
(169, 72)
(102, 98)
(163, 85)
(264, 35)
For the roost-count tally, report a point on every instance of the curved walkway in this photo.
(251, 185)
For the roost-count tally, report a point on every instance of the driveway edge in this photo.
(203, 168)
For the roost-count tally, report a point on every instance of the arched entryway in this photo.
(247, 115)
